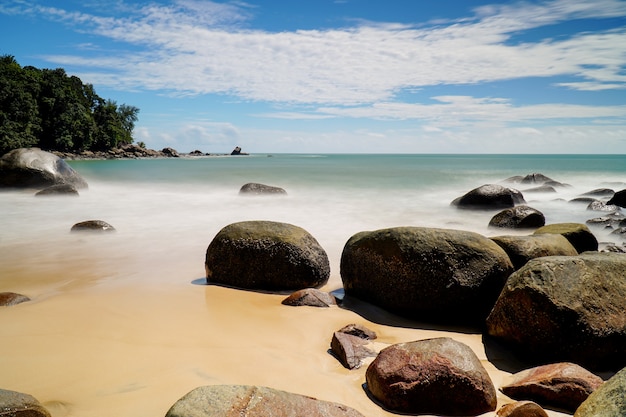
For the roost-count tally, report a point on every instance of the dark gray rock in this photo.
(253, 401)
(518, 217)
(609, 400)
(60, 189)
(92, 226)
(602, 206)
(253, 188)
(563, 385)
(565, 308)
(536, 178)
(17, 404)
(489, 196)
(619, 199)
(436, 376)
(433, 274)
(522, 249)
(541, 189)
(266, 255)
(578, 235)
(34, 168)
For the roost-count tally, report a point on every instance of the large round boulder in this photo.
(489, 196)
(522, 249)
(435, 376)
(609, 400)
(34, 168)
(566, 308)
(266, 255)
(433, 274)
(519, 217)
(578, 234)
(619, 199)
(253, 401)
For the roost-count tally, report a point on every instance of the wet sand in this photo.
(115, 333)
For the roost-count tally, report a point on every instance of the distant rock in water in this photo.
(253, 188)
(93, 226)
(237, 151)
(520, 217)
(34, 168)
(489, 196)
(60, 189)
(619, 199)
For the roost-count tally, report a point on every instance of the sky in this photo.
(343, 76)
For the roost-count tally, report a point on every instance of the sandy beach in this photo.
(128, 334)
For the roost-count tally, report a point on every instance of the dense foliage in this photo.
(53, 111)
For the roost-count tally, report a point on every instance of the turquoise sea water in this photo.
(181, 203)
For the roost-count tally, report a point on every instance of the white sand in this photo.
(115, 334)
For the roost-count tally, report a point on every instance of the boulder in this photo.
(521, 409)
(266, 255)
(253, 401)
(170, 152)
(619, 199)
(350, 350)
(435, 376)
(563, 385)
(12, 298)
(521, 249)
(566, 308)
(519, 217)
(17, 404)
(310, 297)
(253, 188)
(34, 168)
(59, 189)
(536, 178)
(92, 226)
(489, 196)
(578, 235)
(609, 400)
(433, 274)
(237, 151)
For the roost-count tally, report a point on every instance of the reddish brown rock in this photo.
(350, 350)
(359, 331)
(522, 409)
(11, 298)
(435, 376)
(564, 385)
(310, 297)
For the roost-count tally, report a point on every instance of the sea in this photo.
(169, 210)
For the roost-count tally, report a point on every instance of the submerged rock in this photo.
(489, 196)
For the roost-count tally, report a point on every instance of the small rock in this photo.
(11, 298)
(310, 297)
(59, 189)
(253, 188)
(350, 350)
(521, 409)
(93, 226)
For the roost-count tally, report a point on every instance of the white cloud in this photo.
(194, 47)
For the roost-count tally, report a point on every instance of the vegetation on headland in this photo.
(50, 110)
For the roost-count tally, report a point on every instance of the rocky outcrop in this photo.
(266, 255)
(522, 249)
(566, 308)
(92, 226)
(310, 297)
(253, 188)
(563, 385)
(435, 376)
(12, 298)
(578, 235)
(34, 168)
(519, 217)
(253, 401)
(609, 400)
(433, 274)
(489, 196)
(237, 151)
(521, 409)
(17, 404)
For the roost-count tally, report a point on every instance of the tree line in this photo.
(48, 109)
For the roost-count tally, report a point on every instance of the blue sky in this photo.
(326, 76)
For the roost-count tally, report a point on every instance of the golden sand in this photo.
(128, 334)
